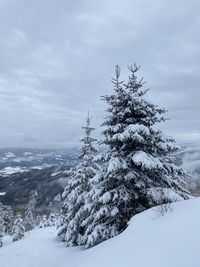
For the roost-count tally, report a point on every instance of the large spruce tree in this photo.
(139, 171)
(75, 207)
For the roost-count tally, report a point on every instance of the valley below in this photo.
(23, 170)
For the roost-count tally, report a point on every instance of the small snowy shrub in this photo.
(165, 202)
(44, 222)
(52, 219)
(164, 208)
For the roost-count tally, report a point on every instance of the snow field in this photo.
(152, 240)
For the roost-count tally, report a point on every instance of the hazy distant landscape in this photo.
(21, 159)
(22, 170)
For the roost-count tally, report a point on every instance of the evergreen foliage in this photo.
(29, 221)
(38, 220)
(138, 166)
(1, 224)
(52, 219)
(8, 219)
(43, 222)
(18, 228)
(75, 208)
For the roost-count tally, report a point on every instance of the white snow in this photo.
(10, 155)
(132, 128)
(114, 164)
(11, 170)
(146, 160)
(2, 193)
(152, 240)
(132, 131)
(27, 153)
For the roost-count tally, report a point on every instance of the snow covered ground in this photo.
(172, 240)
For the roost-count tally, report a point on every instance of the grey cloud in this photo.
(57, 58)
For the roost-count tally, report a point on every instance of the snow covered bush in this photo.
(75, 208)
(52, 219)
(44, 222)
(18, 228)
(138, 166)
(38, 220)
(161, 210)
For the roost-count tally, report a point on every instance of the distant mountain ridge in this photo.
(16, 159)
(23, 170)
(49, 183)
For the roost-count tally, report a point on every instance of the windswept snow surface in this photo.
(152, 240)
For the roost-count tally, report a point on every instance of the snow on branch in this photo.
(133, 131)
(140, 158)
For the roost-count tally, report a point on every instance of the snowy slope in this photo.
(172, 240)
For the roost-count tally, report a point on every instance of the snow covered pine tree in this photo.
(29, 221)
(75, 208)
(1, 224)
(140, 169)
(8, 219)
(18, 228)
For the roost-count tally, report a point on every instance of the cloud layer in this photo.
(57, 58)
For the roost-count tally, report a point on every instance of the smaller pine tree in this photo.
(1, 224)
(18, 228)
(8, 219)
(29, 221)
(75, 208)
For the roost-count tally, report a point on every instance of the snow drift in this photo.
(150, 240)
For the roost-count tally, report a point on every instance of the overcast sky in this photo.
(57, 58)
